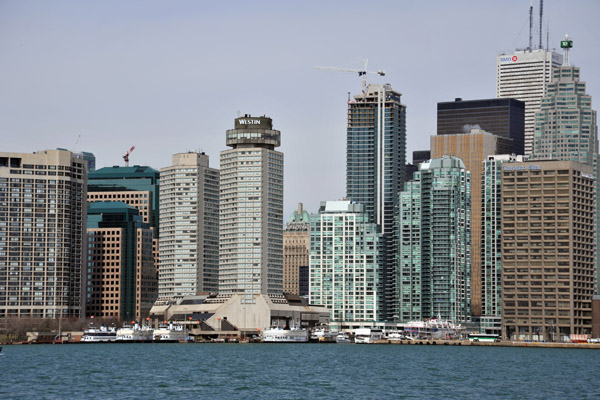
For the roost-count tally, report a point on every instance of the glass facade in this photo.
(345, 258)
(434, 242)
(501, 117)
(376, 168)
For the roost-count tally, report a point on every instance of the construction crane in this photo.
(361, 72)
(126, 156)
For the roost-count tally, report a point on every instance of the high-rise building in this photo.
(375, 169)
(491, 245)
(473, 148)
(502, 117)
(296, 249)
(189, 227)
(345, 256)
(121, 277)
(434, 243)
(566, 128)
(565, 125)
(251, 210)
(42, 229)
(137, 186)
(113, 180)
(547, 250)
(524, 76)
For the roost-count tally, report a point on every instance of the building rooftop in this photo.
(108, 207)
(116, 172)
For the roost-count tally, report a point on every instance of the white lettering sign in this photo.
(249, 121)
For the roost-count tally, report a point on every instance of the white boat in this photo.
(134, 333)
(322, 335)
(397, 336)
(343, 337)
(169, 333)
(100, 334)
(434, 328)
(368, 335)
(280, 335)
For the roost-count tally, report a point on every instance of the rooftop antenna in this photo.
(541, 20)
(530, 25)
(566, 44)
(547, 33)
(76, 147)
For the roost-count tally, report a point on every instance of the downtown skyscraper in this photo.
(524, 75)
(434, 243)
(42, 231)
(251, 210)
(189, 225)
(375, 170)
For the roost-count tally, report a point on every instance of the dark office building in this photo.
(502, 117)
(418, 157)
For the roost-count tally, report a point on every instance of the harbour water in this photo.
(295, 371)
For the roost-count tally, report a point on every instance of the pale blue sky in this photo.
(170, 76)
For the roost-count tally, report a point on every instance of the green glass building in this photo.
(434, 242)
(345, 258)
(140, 178)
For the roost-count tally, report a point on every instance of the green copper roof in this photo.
(108, 207)
(124, 172)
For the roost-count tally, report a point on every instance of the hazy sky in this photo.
(171, 76)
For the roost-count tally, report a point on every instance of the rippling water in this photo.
(295, 371)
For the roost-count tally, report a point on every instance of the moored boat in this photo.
(343, 337)
(280, 335)
(368, 335)
(169, 333)
(134, 333)
(101, 334)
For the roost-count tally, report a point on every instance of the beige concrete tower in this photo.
(42, 230)
(189, 227)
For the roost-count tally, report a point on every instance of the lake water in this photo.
(295, 371)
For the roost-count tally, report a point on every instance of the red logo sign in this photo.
(514, 58)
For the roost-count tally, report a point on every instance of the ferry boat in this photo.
(368, 335)
(169, 333)
(280, 335)
(134, 333)
(343, 337)
(434, 328)
(100, 334)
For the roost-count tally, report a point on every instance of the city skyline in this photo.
(120, 74)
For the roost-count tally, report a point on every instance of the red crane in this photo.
(126, 156)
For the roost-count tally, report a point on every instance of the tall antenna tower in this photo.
(530, 25)
(541, 15)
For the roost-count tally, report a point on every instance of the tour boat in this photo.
(169, 333)
(100, 334)
(134, 333)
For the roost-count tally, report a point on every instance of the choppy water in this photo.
(295, 371)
